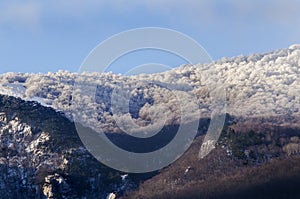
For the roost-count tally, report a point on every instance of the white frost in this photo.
(256, 85)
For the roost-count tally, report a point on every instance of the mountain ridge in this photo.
(258, 85)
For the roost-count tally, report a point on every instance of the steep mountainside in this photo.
(41, 156)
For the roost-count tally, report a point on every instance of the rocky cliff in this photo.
(41, 156)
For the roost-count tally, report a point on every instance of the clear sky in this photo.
(42, 36)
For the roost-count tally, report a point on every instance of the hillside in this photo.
(42, 156)
(245, 164)
(256, 156)
(258, 85)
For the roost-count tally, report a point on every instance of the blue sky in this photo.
(41, 36)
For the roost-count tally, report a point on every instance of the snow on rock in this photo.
(53, 183)
(111, 196)
(123, 177)
(42, 138)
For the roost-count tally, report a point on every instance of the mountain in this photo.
(257, 85)
(42, 156)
